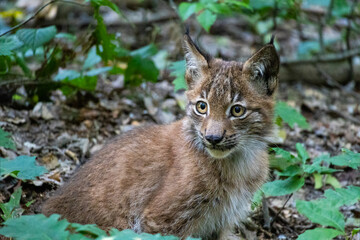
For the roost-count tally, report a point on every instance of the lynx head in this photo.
(230, 103)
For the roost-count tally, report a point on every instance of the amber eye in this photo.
(201, 107)
(237, 110)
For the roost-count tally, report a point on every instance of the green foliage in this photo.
(178, 71)
(23, 228)
(12, 209)
(320, 234)
(283, 187)
(22, 167)
(5, 140)
(34, 38)
(297, 168)
(290, 116)
(326, 211)
(9, 44)
(207, 11)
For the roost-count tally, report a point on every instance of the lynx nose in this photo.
(214, 139)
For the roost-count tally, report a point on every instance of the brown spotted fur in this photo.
(168, 179)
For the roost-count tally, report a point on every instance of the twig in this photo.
(265, 209)
(37, 12)
(273, 220)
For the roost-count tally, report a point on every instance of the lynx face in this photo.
(230, 103)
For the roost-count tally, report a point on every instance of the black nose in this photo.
(214, 139)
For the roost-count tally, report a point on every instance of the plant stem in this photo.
(36, 13)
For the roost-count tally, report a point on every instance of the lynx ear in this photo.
(262, 69)
(196, 61)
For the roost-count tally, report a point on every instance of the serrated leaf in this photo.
(30, 227)
(25, 166)
(302, 153)
(12, 209)
(319, 234)
(290, 116)
(283, 187)
(342, 196)
(206, 19)
(348, 158)
(178, 71)
(34, 38)
(186, 10)
(9, 44)
(319, 213)
(6, 141)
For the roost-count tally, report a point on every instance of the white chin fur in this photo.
(218, 153)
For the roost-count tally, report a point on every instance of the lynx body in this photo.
(194, 177)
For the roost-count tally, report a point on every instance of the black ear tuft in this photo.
(272, 39)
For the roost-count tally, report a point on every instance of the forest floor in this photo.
(64, 133)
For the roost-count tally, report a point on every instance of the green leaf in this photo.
(107, 3)
(186, 10)
(97, 71)
(87, 83)
(6, 141)
(145, 52)
(12, 209)
(348, 158)
(9, 44)
(318, 180)
(91, 229)
(129, 234)
(206, 19)
(23, 167)
(283, 187)
(319, 234)
(290, 115)
(355, 231)
(257, 199)
(66, 74)
(140, 70)
(315, 166)
(341, 8)
(104, 45)
(302, 153)
(30, 227)
(67, 36)
(290, 171)
(178, 71)
(91, 59)
(332, 181)
(34, 38)
(342, 196)
(319, 213)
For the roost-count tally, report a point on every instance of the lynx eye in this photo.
(237, 110)
(201, 107)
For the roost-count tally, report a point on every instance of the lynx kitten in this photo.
(194, 177)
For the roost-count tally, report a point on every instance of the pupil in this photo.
(237, 109)
(202, 106)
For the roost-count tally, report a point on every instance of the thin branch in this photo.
(37, 12)
(273, 220)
